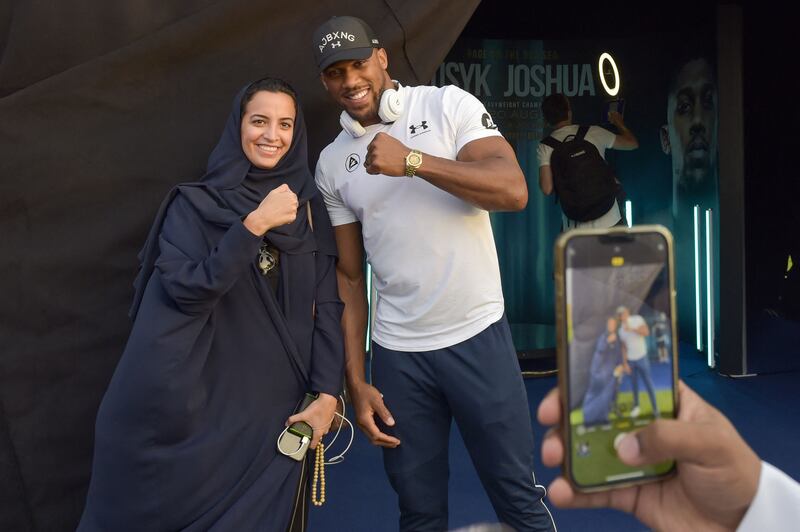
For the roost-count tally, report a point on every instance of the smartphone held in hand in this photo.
(616, 105)
(293, 442)
(617, 347)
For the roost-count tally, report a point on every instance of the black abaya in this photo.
(216, 361)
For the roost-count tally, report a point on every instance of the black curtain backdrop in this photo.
(104, 106)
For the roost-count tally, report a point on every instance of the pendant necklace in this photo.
(267, 258)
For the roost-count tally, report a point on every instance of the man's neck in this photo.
(371, 121)
(563, 123)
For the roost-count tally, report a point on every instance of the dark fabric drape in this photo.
(104, 107)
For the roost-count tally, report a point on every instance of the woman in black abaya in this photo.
(236, 316)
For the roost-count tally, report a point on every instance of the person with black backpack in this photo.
(572, 164)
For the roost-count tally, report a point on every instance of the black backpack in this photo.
(584, 183)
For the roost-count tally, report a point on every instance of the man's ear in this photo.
(322, 80)
(383, 59)
(665, 146)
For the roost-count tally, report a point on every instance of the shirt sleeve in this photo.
(196, 280)
(467, 116)
(543, 153)
(776, 505)
(327, 347)
(603, 136)
(339, 213)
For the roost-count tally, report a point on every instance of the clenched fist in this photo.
(386, 155)
(278, 208)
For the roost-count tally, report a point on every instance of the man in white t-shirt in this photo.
(633, 333)
(410, 181)
(558, 115)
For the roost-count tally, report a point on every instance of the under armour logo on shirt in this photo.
(414, 127)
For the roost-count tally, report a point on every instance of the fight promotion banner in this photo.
(670, 104)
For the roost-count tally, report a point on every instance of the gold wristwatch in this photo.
(413, 162)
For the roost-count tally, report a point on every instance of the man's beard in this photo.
(366, 113)
(698, 182)
(694, 173)
(698, 168)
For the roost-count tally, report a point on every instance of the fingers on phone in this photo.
(564, 496)
(552, 448)
(561, 493)
(549, 412)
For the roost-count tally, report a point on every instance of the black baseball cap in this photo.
(342, 39)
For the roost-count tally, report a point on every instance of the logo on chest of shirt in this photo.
(351, 162)
(419, 129)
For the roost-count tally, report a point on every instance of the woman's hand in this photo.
(319, 414)
(278, 208)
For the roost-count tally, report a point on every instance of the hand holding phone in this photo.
(319, 414)
(614, 111)
(295, 440)
(717, 472)
(610, 284)
(301, 428)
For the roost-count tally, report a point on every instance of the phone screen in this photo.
(620, 345)
(613, 106)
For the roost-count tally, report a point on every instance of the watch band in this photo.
(413, 162)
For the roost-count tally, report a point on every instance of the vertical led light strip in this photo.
(698, 311)
(369, 306)
(710, 288)
(629, 212)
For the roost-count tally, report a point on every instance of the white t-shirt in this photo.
(602, 139)
(635, 343)
(776, 505)
(432, 254)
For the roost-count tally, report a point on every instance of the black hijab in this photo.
(243, 186)
(232, 188)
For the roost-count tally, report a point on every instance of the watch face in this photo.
(414, 159)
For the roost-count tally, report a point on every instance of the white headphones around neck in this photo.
(390, 109)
